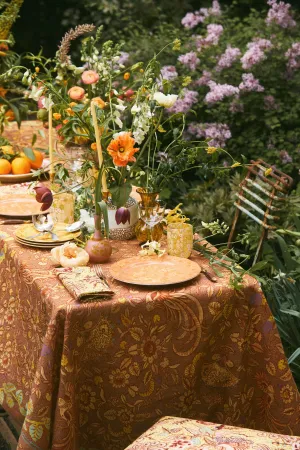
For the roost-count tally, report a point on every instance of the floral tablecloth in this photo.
(95, 376)
(186, 434)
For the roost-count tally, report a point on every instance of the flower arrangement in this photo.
(140, 131)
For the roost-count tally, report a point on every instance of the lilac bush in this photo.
(243, 82)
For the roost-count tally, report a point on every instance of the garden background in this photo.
(239, 74)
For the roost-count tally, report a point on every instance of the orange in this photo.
(20, 166)
(37, 162)
(5, 167)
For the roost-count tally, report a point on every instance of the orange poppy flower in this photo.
(122, 149)
(9, 115)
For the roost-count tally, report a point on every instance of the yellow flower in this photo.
(64, 360)
(268, 171)
(56, 116)
(211, 150)
(236, 164)
(37, 69)
(176, 44)
(70, 112)
(281, 364)
(176, 216)
(126, 76)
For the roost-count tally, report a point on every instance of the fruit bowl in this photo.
(20, 178)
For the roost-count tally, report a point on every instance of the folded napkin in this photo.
(83, 283)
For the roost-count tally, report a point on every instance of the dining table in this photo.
(96, 375)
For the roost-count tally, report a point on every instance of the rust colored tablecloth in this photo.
(97, 375)
(185, 434)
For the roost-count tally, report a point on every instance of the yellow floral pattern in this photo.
(97, 375)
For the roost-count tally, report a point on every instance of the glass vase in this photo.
(180, 239)
(149, 226)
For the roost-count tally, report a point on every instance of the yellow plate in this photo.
(38, 244)
(154, 270)
(19, 205)
(25, 231)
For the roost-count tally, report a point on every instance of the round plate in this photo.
(19, 205)
(24, 233)
(154, 270)
(38, 244)
(20, 178)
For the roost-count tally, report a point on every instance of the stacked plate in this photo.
(27, 235)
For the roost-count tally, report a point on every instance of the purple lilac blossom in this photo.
(279, 14)
(192, 19)
(203, 81)
(250, 84)
(255, 52)
(270, 103)
(190, 60)
(124, 56)
(236, 106)
(183, 104)
(169, 73)
(293, 54)
(285, 157)
(218, 133)
(219, 91)
(214, 32)
(228, 58)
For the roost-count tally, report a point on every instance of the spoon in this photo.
(43, 224)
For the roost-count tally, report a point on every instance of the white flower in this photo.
(36, 92)
(88, 220)
(135, 109)
(165, 100)
(115, 135)
(46, 102)
(69, 255)
(151, 248)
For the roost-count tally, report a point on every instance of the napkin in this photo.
(83, 283)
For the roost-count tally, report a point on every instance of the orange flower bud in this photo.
(72, 104)
(70, 112)
(37, 69)
(94, 146)
(65, 121)
(56, 116)
(126, 76)
(99, 102)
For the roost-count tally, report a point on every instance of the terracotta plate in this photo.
(24, 233)
(155, 271)
(19, 205)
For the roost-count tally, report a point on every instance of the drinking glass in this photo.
(180, 239)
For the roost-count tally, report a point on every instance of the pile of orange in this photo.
(21, 164)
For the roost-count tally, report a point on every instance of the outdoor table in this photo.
(97, 375)
(185, 434)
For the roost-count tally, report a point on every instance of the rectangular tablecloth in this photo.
(97, 375)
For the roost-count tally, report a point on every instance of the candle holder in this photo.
(180, 239)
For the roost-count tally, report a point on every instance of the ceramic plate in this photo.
(19, 205)
(155, 271)
(37, 245)
(10, 178)
(24, 233)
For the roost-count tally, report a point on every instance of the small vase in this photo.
(148, 206)
(123, 231)
(98, 248)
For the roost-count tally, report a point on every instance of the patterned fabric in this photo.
(173, 433)
(97, 375)
(83, 284)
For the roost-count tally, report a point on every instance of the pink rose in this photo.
(76, 93)
(89, 77)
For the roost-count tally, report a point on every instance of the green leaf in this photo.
(259, 266)
(294, 355)
(29, 153)
(34, 137)
(104, 212)
(291, 312)
(42, 133)
(120, 194)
